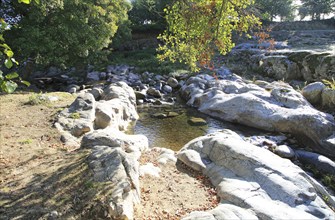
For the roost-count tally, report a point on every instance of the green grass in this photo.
(38, 99)
(145, 60)
(27, 141)
(75, 115)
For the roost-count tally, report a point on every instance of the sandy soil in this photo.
(40, 178)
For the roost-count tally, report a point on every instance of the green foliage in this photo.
(75, 115)
(269, 9)
(145, 60)
(66, 32)
(316, 8)
(27, 141)
(145, 12)
(7, 83)
(329, 83)
(197, 28)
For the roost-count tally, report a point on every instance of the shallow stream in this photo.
(175, 132)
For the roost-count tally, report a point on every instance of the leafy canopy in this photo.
(197, 28)
(269, 9)
(66, 32)
(7, 83)
(316, 8)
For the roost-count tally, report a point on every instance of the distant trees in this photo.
(150, 12)
(316, 8)
(270, 9)
(65, 32)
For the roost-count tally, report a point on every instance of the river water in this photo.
(175, 132)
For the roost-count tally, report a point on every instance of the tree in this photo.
(316, 8)
(197, 28)
(269, 9)
(148, 11)
(66, 32)
(7, 60)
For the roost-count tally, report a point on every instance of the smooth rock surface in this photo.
(256, 179)
(277, 107)
(312, 92)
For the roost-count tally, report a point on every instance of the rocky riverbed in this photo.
(245, 170)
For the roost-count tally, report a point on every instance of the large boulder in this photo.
(274, 107)
(280, 67)
(78, 118)
(312, 92)
(262, 183)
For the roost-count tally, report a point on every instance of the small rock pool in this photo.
(169, 126)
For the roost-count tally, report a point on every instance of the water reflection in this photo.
(175, 132)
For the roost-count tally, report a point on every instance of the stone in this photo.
(81, 127)
(278, 107)
(157, 102)
(167, 88)
(173, 82)
(321, 163)
(223, 211)
(256, 180)
(312, 92)
(172, 114)
(328, 98)
(197, 121)
(97, 93)
(149, 169)
(140, 94)
(280, 67)
(93, 76)
(154, 92)
(53, 71)
(78, 118)
(72, 88)
(159, 115)
(114, 138)
(166, 155)
(120, 171)
(113, 113)
(284, 151)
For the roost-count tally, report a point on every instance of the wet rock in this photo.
(255, 179)
(196, 121)
(312, 92)
(172, 114)
(154, 92)
(159, 115)
(157, 102)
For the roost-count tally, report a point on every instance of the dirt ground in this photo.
(40, 178)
